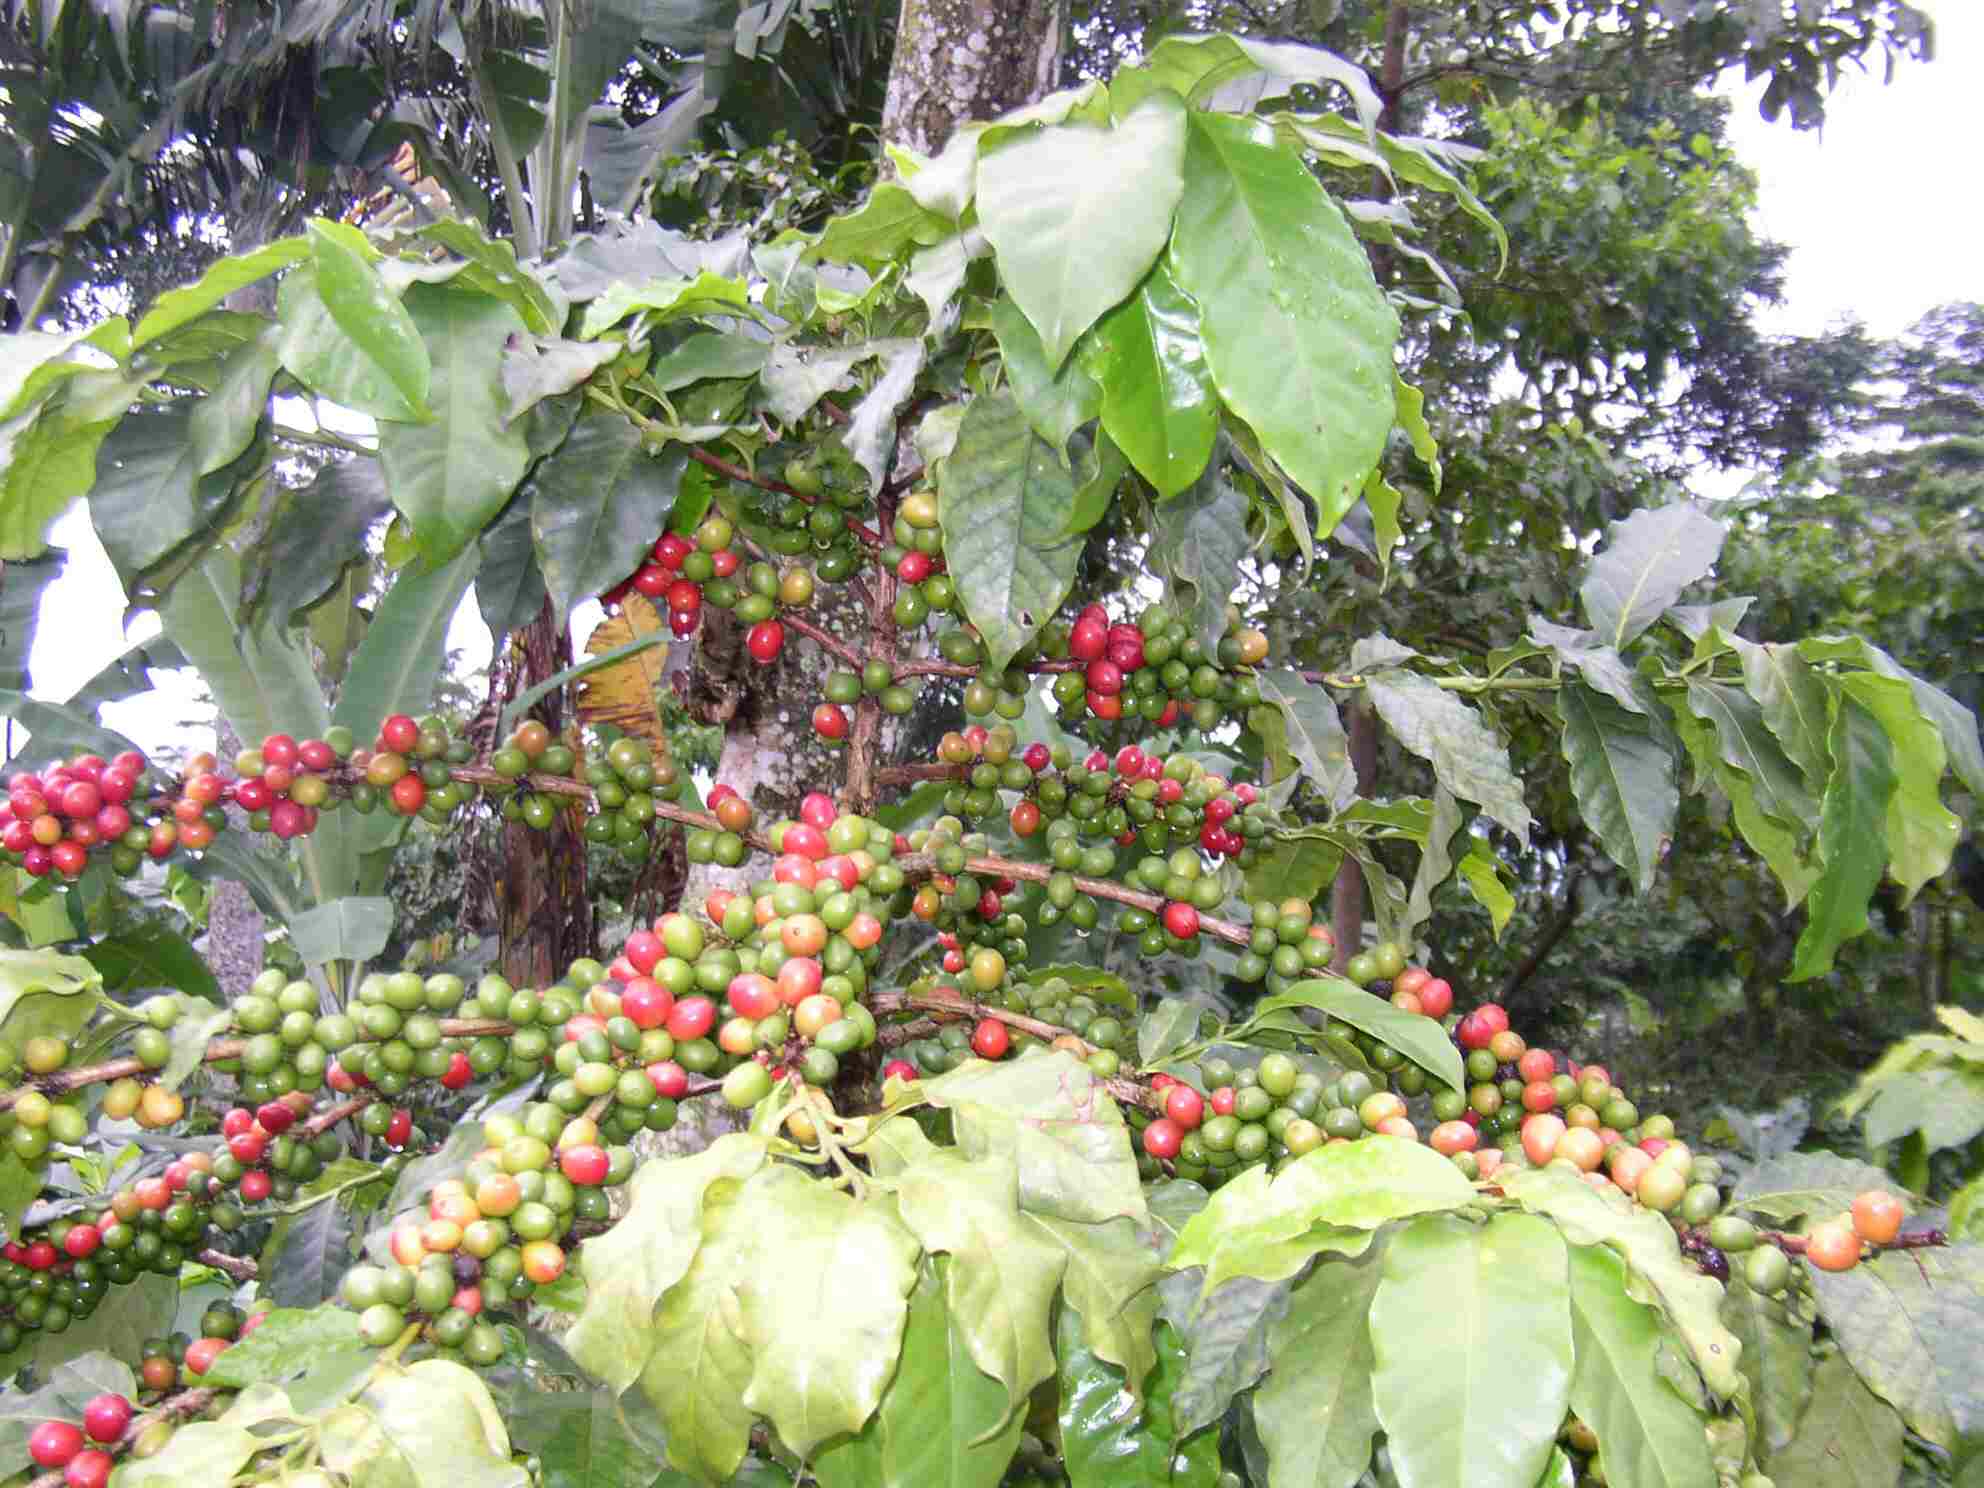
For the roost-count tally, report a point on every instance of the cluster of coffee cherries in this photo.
(1243, 1117)
(1101, 1034)
(490, 1236)
(685, 573)
(1153, 669)
(56, 1273)
(1130, 797)
(77, 1450)
(51, 822)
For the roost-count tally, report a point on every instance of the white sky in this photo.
(1881, 211)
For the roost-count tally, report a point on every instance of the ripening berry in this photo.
(54, 1443)
(1877, 1216)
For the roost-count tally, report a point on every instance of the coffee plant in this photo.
(1067, 1143)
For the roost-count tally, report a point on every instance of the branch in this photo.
(1124, 1089)
(822, 639)
(239, 1267)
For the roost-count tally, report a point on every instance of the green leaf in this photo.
(595, 506)
(1779, 846)
(1480, 871)
(1945, 1106)
(707, 354)
(1464, 752)
(1332, 1189)
(509, 587)
(149, 496)
(1471, 1330)
(370, 314)
(318, 353)
(1600, 665)
(631, 1266)
(451, 476)
(1956, 723)
(289, 1343)
(202, 1452)
(1776, 1360)
(1691, 1300)
(549, 367)
(1622, 775)
(1106, 1442)
(491, 265)
(939, 1423)
(1004, 502)
(1197, 541)
(664, 299)
(1158, 399)
(1055, 403)
(823, 1351)
(198, 1023)
(24, 973)
(1297, 332)
(315, 535)
(306, 1256)
(1801, 1184)
(1225, 1334)
(1435, 859)
(349, 929)
(698, 1362)
(1412, 420)
(1314, 1411)
(1111, 1281)
(1921, 832)
(1418, 1038)
(1168, 1027)
(1849, 1438)
(1313, 733)
(1199, 67)
(1852, 838)
(1794, 701)
(1908, 1322)
(870, 435)
(1003, 1276)
(582, 1439)
(1294, 865)
(1051, 1117)
(1651, 1437)
(224, 423)
(1746, 744)
(440, 1417)
(1076, 214)
(1649, 559)
(48, 457)
(123, 1320)
(399, 662)
(888, 222)
(178, 307)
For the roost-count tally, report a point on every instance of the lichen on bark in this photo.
(958, 60)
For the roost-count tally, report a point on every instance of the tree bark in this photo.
(235, 928)
(544, 914)
(1347, 893)
(959, 60)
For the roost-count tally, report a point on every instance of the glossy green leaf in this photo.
(1956, 723)
(1944, 1106)
(1076, 215)
(1111, 1281)
(151, 954)
(316, 533)
(1055, 403)
(1848, 1437)
(706, 354)
(178, 307)
(1921, 832)
(49, 456)
(595, 507)
(1651, 1437)
(1776, 1360)
(939, 1422)
(1225, 1334)
(509, 586)
(1436, 860)
(1622, 775)
(1293, 866)
(1649, 559)
(1417, 1038)
(1168, 1027)
(664, 299)
(1003, 1275)
(1051, 1117)
(451, 476)
(123, 1320)
(1158, 399)
(1471, 1331)
(56, 732)
(1198, 540)
(202, 1452)
(1314, 1410)
(1908, 1322)
(1198, 67)
(149, 496)
(648, 1251)
(547, 367)
(1852, 837)
(304, 1261)
(870, 435)
(441, 1418)
(698, 1362)
(399, 662)
(1353, 1186)
(223, 424)
(1297, 333)
(1106, 1441)
(888, 222)
(1601, 666)
(1463, 750)
(584, 1439)
(1795, 703)
(493, 267)
(1004, 502)
(318, 353)
(1780, 846)
(289, 1342)
(1480, 874)
(823, 1351)
(367, 311)
(1314, 733)
(1691, 1301)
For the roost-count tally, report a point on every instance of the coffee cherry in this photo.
(990, 1039)
(765, 640)
(1162, 1138)
(1877, 1216)
(54, 1443)
(1182, 920)
(1833, 1245)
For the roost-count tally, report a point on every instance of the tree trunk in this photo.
(235, 929)
(1347, 893)
(959, 60)
(544, 914)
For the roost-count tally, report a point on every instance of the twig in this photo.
(712, 461)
